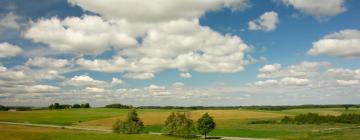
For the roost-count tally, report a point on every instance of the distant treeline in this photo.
(313, 118)
(121, 106)
(17, 108)
(272, 108)
(60, 106)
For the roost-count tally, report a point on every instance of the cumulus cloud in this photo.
(270, 68)
(140, 76)
(320, 8)
(266, 22)
(294, 81)
(10, 20)
(43, 89)
(85, 81)
(116, 81)
(9, 50)
(302, 70)
(344, 44)
(347, 82)
(46, 62)
(156, 11)
(185, 75)
(78, 35)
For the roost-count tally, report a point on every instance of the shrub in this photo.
(133, 124)
(179, 124)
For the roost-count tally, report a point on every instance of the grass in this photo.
(12, 132)
(229, 122)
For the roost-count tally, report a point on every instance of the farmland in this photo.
(234, 123)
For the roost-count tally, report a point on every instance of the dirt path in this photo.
(109, 131)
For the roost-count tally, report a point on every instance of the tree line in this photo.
(261, 107)
(65, 106)
(314, 118)
(120, 106)
(176, 124)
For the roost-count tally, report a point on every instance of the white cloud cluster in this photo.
(306, 74)
(46, 62)
(9, 50)
(302, 70)
(185, 75)
(345, 44)
(319, 8)
(85, 81)
(79, 35)
(266, 22)
(157, 11)
(9, 21)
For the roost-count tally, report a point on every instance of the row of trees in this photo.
(120, 106)
(64, 106)
(176, 124)
(313, 118)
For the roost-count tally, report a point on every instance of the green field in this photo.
(233, 123)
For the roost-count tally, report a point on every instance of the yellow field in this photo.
(222, 117)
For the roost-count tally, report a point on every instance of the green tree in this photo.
(179, 124)
(205, 124)
(56, 106)
(133, 124)
(76, 106)
(87, 105)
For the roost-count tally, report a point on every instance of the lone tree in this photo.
(133, 124)
(205, 124)
(179, 124)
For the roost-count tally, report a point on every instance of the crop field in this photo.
(234, 123)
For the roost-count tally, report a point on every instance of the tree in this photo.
(87, 105)
(205, 124)
(76, 106)
(133, 124)
(179, 124)
(51, 106)
(56, 106)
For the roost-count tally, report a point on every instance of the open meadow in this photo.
(233, 123)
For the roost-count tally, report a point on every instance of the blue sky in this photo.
(234, 52)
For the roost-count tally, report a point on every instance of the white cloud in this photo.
(156, 11)
(294, 81)
(347, 82)
(9, 50)
(78, 35)
(345, 44)
(266, 83)
(84, 80)
(266, 22)
(302, 70)
(45, 62)
(319, 8)
(9, 21)
(94, 90)
(185, 75)
(140, 76)
(42, 89)
(116, 81)
(270, 68)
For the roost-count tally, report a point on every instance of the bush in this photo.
(133, 124)
(179, 124)
(3, 108)
(312, 118)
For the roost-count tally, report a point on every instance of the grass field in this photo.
(229, 122)
(12, 132)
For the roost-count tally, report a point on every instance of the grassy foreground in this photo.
(229, 122)
(13, 132)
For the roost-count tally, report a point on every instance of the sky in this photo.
(179, 52)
